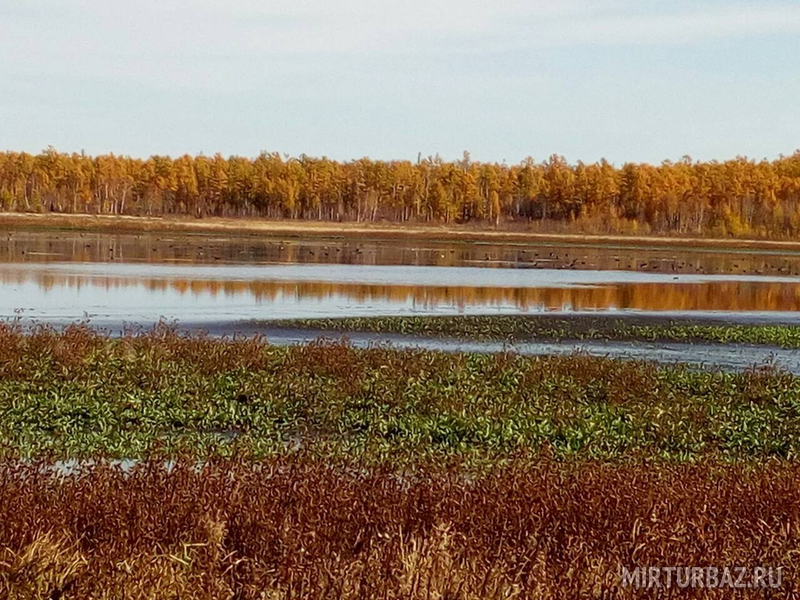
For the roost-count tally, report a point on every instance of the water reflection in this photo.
(147, 292)
(62, 276)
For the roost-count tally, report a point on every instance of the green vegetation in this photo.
(76, 394)
(509, 328)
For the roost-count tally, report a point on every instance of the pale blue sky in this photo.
(505, 79)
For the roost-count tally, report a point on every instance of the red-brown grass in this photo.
(298, 528)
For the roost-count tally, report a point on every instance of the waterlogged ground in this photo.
(725, 357)
(77, 395)
(225, 284)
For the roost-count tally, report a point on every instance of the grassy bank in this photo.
(76, 394)
(380, 230)
(520, 328)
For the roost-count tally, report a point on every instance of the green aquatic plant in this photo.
(78, 394)
(525, 327)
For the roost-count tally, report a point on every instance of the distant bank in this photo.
(372, 230)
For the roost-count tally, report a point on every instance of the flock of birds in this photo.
(523, 257)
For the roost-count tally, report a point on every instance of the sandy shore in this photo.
(119, 223)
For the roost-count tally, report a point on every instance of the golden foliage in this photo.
(737, 197)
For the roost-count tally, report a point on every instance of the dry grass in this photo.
(45, 568)
(298, 528)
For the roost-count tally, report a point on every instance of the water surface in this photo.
(60, 277)
(723, 357)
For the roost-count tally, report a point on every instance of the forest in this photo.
(738, 197)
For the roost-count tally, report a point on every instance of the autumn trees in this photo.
(739, 197)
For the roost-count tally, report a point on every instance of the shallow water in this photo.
(56, 246)
(61, 277)
(725, 357)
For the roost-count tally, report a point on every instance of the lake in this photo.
(59, 277)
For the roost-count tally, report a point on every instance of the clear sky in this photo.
(642, 80)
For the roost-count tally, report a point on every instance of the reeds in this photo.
(301, 528)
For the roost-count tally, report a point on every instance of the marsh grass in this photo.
(533, 327)
(300, 527)
(76, 394)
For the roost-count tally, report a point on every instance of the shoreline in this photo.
(556, 329)
(474, 333)
(345, 230)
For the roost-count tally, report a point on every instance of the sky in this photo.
(640, 81)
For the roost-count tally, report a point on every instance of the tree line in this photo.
(734, 197)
